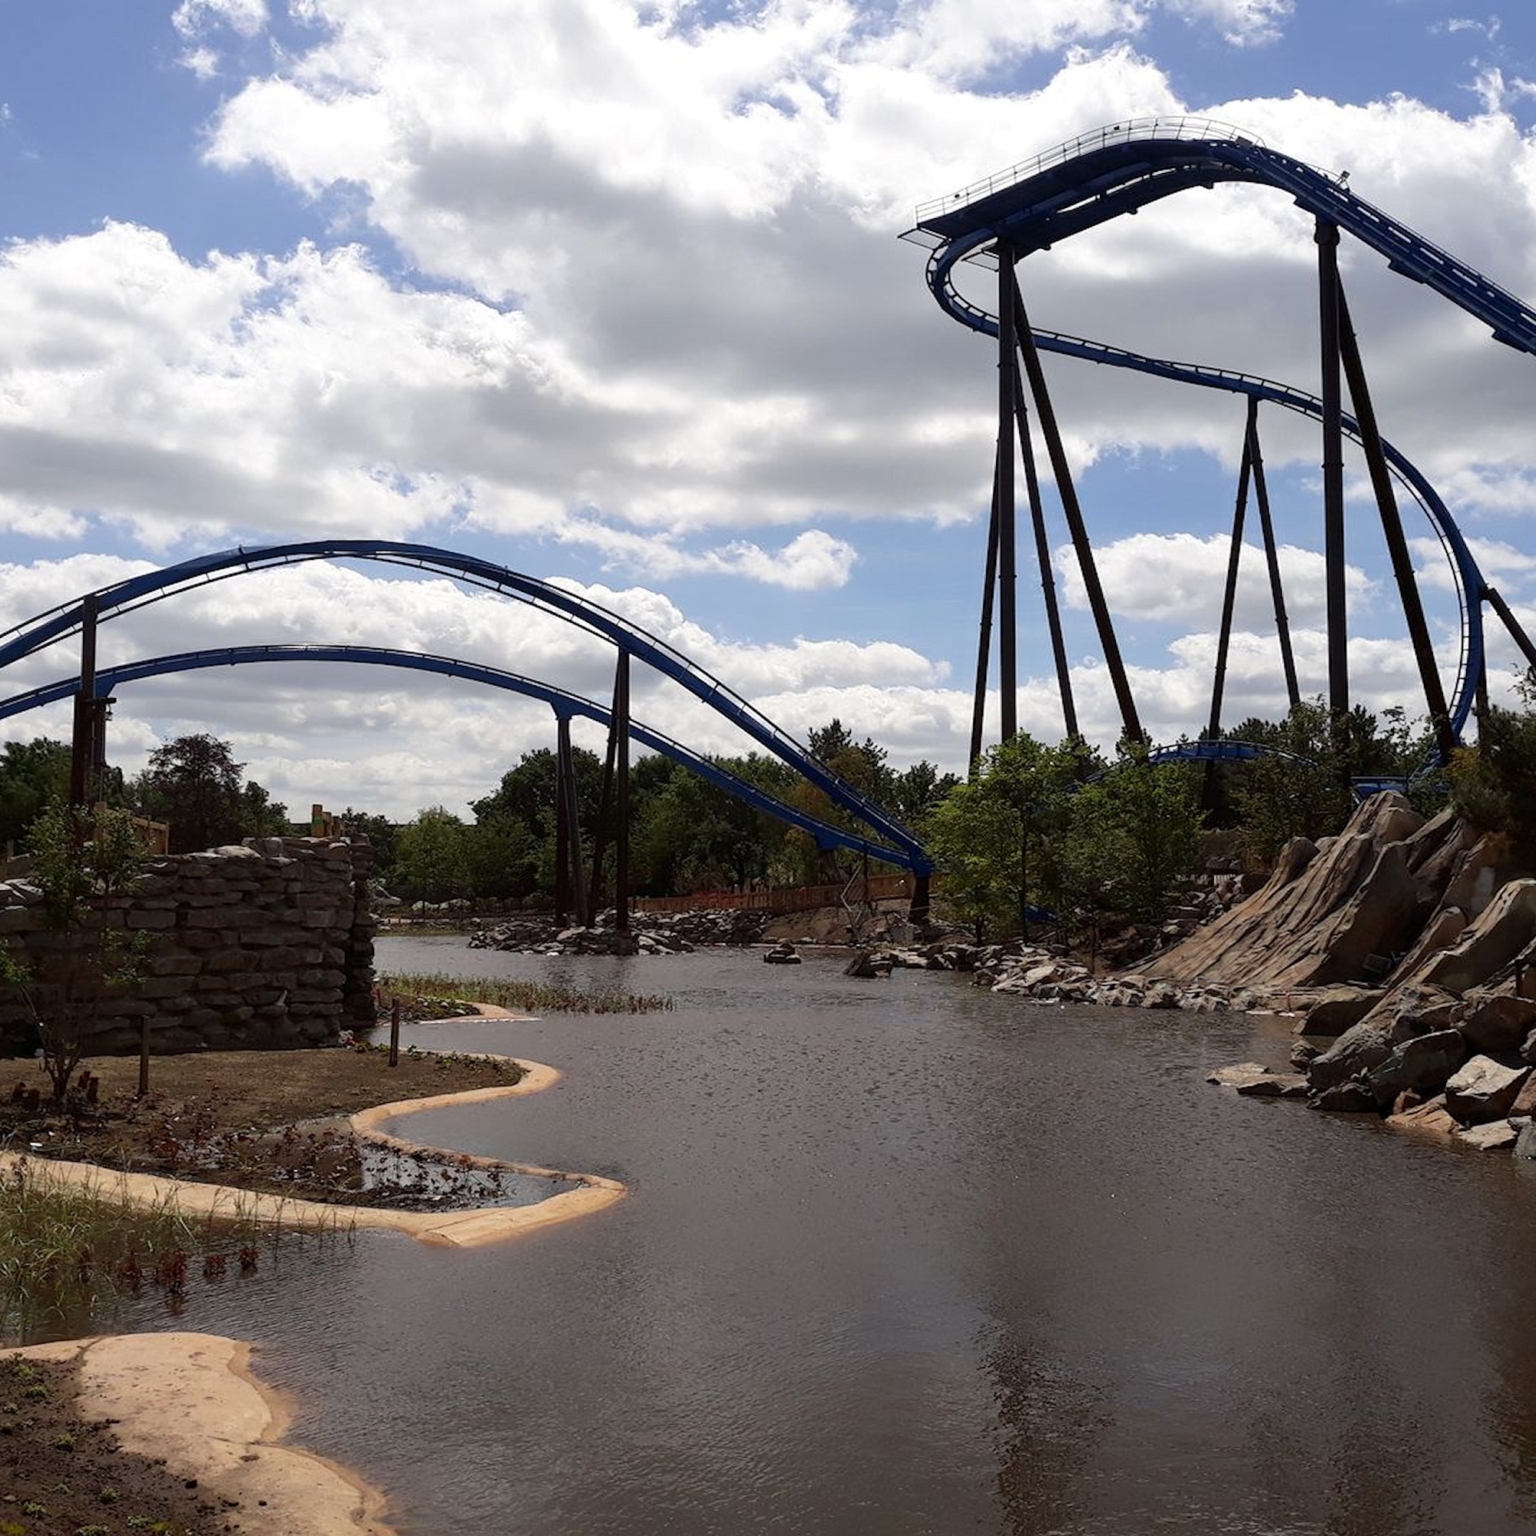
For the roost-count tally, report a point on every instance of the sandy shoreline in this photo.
(193, 1398)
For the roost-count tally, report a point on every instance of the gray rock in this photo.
(1236, 1076)
(1525, 1143)
(1275, 1085)
(1344, 1098)
(1498, 1022)
(1338, 1009)
(1497, 1136)
(1483, 1090)
(1357, 1051)
(1423, 1064)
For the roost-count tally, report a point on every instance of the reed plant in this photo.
(522, 996)
(69, 1255)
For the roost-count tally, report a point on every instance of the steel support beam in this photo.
(1043, 558)
(621, 794)
(1392, 528)
(1327, 237)
(1007, 575)
(570, 877)
(1046, 414)
(83, 753)
(1234, 561)
(1272, 561)
(1512, 624)
(984, 639)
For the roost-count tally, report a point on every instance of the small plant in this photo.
(424, 989)
(64, 1442)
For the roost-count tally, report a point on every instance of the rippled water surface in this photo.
(902, 1257)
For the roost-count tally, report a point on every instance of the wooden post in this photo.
(394, 1032)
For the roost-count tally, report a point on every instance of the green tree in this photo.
(381, 833)
(1001, 838)
(432, 857)
(31, 774)
(195, 784)
(1135, 838)
(81, 860)
(1493, 783)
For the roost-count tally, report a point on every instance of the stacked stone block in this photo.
(268, 944)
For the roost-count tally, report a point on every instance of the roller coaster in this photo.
(994, 224)
(1117, 171)
(577, 892)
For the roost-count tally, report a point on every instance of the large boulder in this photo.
(1358, 1051)
(1430, 1119)
(1496, 1136)
(1484, 1090)
(1338, 1009)
(1328, 913)
(1497, 1022)
(1503, 931)
(1422, 1064)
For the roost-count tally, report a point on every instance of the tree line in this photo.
(1033, 829)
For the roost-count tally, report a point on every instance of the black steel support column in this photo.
(1234, 561)
(1007, 618)
(918, 908)
(1043, 557)
(1074, 514)
(604, 808)
(984, 640)
(1272, 560)
(1392, 527)
(1333, 474)
(621, 795)
(562, 824)
(1512, 624)
(83, 740)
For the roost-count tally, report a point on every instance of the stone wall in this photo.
(264, 945)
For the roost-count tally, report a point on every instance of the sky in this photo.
(611, 292)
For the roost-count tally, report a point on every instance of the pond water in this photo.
(902, 1257)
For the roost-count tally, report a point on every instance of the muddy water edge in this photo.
(901, 1257)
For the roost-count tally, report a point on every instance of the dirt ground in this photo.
(61, 1475)
(199, 1103)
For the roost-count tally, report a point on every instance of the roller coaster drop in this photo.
(1120, 170)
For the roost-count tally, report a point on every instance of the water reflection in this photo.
(904, 1258)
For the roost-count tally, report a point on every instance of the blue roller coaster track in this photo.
(135, 592)
(1119, 170)
(564, 704)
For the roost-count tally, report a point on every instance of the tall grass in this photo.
(524, 996)
(68, 1256)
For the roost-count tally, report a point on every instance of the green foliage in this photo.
(1307, 793)
(1001, 838)
(31, 774)
(381, 833)
(432, 857)
(81, 860)
(1134, 838)
(1031, 831)
(195, 785)
(1493, 784)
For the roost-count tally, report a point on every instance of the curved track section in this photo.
(1471, 585)
(138, 591)
(1122, 169)
(565, 705)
